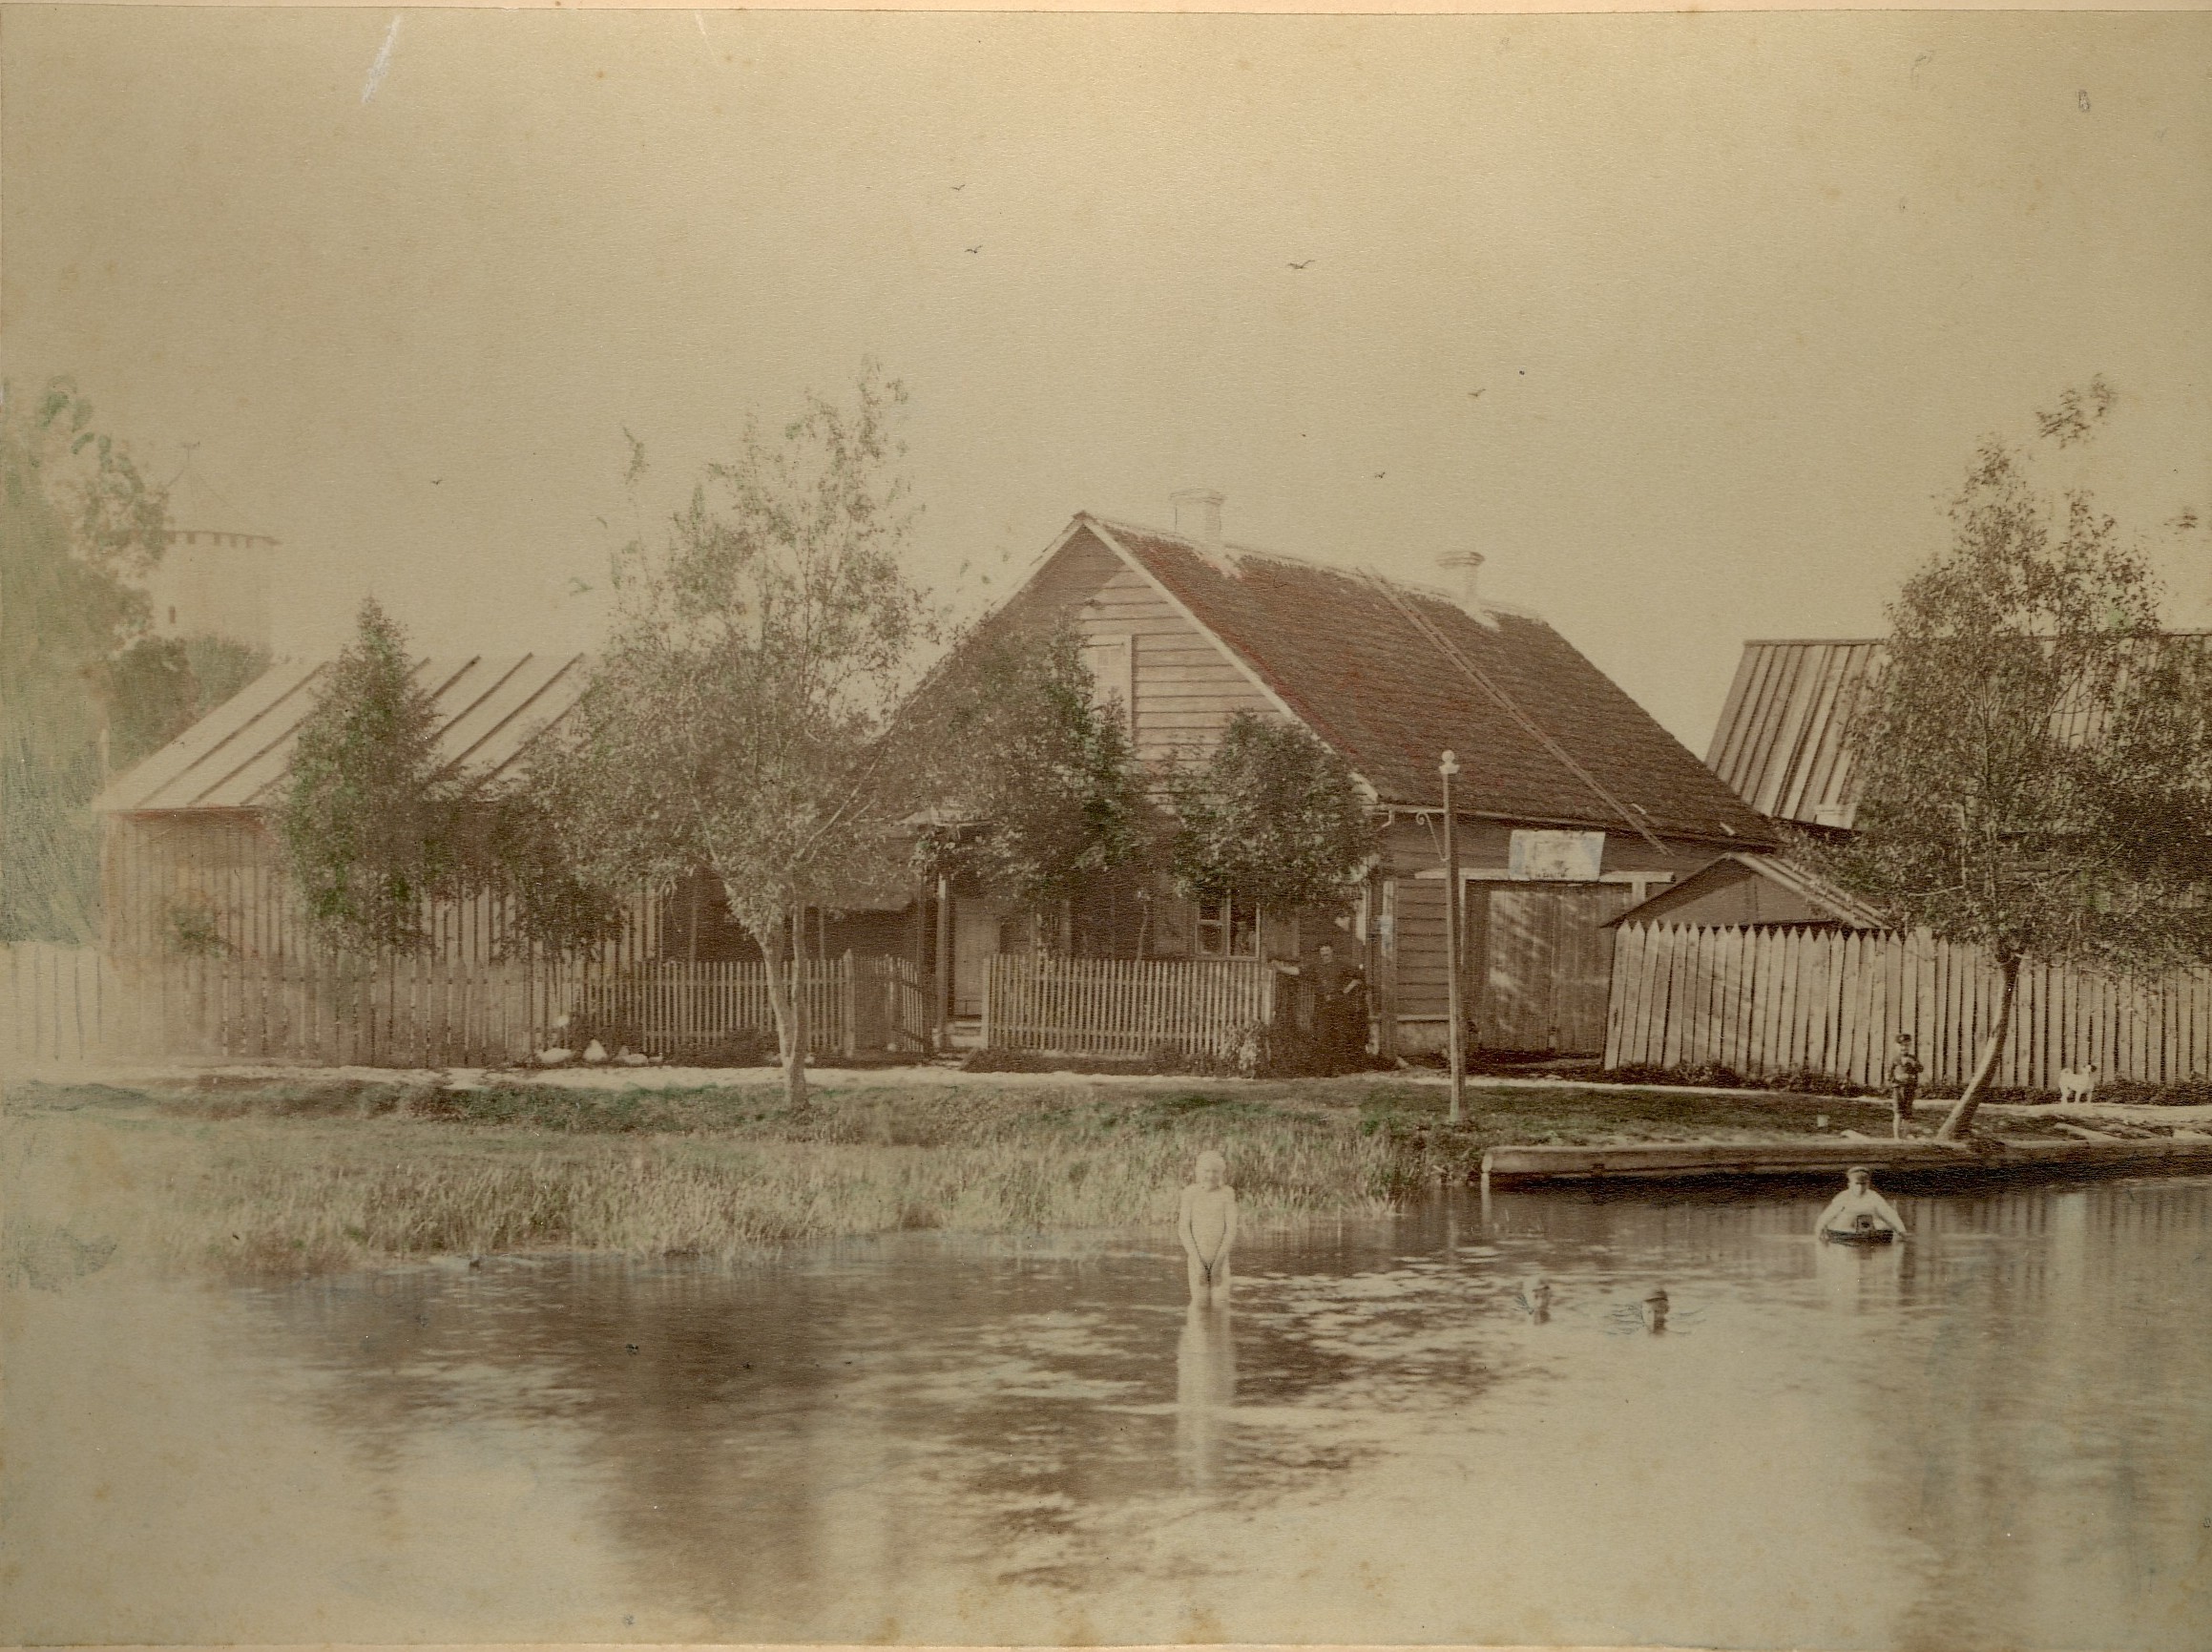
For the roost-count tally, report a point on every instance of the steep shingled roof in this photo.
(1343, 654)
(235, 755)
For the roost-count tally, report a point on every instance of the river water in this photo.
(1998, 1435)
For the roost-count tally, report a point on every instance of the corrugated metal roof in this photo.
(1780, 744)
(490, 708)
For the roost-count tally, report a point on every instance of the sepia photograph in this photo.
(1076, 829)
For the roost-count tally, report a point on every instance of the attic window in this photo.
(1112, 662)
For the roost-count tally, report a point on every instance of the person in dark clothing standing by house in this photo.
(1340, 1013)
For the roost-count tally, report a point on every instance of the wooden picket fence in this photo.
(671, 1008)
(1762, 1001)
(1125, 1006)
(70, 1005)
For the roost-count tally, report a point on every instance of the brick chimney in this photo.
(1461, 570)
(1197, 517)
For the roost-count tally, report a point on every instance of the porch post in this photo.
(941, 991)
(1383, 963)
(1455, 966)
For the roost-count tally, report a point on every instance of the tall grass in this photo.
(292, 1176)
(287, 1199)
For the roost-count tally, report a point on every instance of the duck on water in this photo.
(1859, 1215)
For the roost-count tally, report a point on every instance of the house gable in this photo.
(1183, 684)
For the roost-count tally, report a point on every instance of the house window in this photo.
(1112, 662)
(1228, 928)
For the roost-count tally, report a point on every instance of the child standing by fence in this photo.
(1904, 1079)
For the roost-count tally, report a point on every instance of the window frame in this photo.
(1239, 919)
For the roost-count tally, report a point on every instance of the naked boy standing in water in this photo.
(1206, 1224)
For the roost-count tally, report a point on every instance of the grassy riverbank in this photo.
(304, 1175)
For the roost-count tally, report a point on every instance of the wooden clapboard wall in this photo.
(1763, 1001)
(211, 881)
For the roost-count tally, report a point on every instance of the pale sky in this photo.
(1740, 293)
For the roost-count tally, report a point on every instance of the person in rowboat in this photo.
(1858, 1200)
(1206, 1224)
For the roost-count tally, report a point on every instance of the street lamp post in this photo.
(1455, 978)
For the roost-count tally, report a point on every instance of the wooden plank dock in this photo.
(1892, 1161)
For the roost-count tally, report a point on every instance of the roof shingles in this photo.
(1339, 652)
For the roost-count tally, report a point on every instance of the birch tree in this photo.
(2035, 757)
(734, 721)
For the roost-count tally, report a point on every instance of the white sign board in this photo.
(1558, 857)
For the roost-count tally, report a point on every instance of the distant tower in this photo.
(213, 580)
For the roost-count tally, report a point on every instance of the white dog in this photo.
(2077, 1084)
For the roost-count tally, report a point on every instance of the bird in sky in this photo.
(958, 187)
(1380, 474)
(1301, 265)
(1473, 394)
(975, 248)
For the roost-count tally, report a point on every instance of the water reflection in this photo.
(1483, 1421)
(1205, 1389)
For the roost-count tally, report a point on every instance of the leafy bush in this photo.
(1809, 1081)
(2194, 1091)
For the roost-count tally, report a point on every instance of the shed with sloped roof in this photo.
(1754, 892)
(189, 855)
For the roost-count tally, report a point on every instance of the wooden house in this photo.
(1573, 803)
(190, 859)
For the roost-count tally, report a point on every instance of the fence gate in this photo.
(1545, 965)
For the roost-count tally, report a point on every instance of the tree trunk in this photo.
(1960, 1124)
(789, 1010)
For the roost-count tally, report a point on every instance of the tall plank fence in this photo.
(68, 1004)
(1769, 1001)
(1125, 1006)
(55, 1002)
